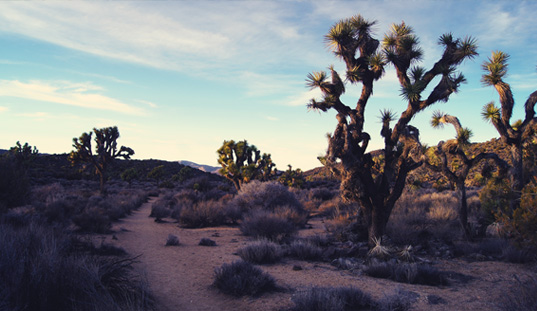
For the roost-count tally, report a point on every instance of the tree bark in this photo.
(463, 209)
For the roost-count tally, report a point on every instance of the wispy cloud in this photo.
(147, 103)
(166, 35)
(270, 118)
(66, 93)
(3, 109)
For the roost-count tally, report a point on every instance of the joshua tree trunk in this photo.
(102, 179)
(463, 208)
(517, 174)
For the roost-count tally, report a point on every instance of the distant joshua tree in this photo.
(106, 151)
(456, 149)
(242, 163)
(23, 154)
(513, 135)
(377, 190)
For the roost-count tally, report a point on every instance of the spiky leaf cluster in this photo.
(106, 150)
(242, 162)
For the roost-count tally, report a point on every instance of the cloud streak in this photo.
(66, 93)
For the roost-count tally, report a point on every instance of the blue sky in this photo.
(180, 77)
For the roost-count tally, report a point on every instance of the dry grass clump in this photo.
(172, 240)
(267, 225)
(304, 250)
(207, 242)
(524, 298)
(261, 252)
(266, 196)
(332, 299)
(411, 273)
(424, 214)
(42, 270)
(241, 278)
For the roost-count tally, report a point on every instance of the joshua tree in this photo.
(513, 135)
(242, 163)
(157, 173)
(377, 190)
(23, 154)
(456, 149)
(105, 151)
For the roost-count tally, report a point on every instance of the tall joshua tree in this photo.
(454, 149)
(377, 190)
(516, 134)
(106, 151)
(242, 162)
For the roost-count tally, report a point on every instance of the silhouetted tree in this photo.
(157, 173)
(23, 154)
(352, 41)
(242, 163)
(292, 178)
(457, 149)
(106, 151)
(513, 135)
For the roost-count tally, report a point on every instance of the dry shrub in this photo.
(523, 298)
(48, 193)
(332, 299)
(41, 271)
(423, 214)
(261, 252)
(94, 220)
(266, 196)
(241, 278)
(265, 224)
(411, 273)
(172, 240)
(304, 250)
(203, 214)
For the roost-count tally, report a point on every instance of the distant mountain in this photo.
(201, 167)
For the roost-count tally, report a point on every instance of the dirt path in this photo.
(181, 276)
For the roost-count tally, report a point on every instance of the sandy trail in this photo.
(181, 276)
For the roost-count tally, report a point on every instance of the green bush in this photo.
(521, 224)
(495, 197)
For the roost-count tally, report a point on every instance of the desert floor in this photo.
(181, 276)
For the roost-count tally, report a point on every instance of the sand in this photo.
(181, 276)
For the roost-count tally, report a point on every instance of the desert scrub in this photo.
(264, 224)
(521, 299)
(241, 278)
(203, 214)
(304, 250)
(41, 269)
(520, 224)
(261, 252)
(172, 240)
(411, 273)
(332, 299)
(266, 196)
(94, 220)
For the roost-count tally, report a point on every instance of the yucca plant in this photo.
(514, 137)
(377, 186)
(455, 163)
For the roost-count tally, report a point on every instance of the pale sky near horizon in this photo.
(180, 77)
